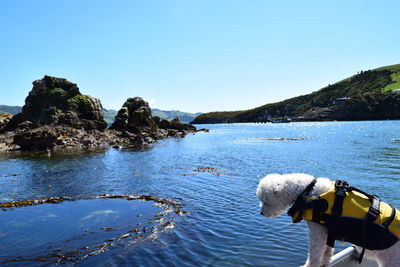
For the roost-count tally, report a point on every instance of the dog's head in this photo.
(277, 191)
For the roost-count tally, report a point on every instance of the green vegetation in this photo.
(364, 83)
(80, 102)
(395, 77)
(58, 95)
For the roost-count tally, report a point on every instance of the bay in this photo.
(214, 176)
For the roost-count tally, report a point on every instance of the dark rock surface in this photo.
(135, 120)
(134, 116)
(57, 116)
(55, 101)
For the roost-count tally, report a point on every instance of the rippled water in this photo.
(214, 175)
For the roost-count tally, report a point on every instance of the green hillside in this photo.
(172, 114)
(377, 83)
(109, 115)
(10, 109)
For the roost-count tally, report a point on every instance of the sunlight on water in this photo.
(214, 175)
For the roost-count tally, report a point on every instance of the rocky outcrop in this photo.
(135, 117)
(134, 120)
(175, 124)
(38, 138)
(57, 116)
(57, 101)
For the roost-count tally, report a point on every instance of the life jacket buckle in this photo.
(341, 187)
(373, 211)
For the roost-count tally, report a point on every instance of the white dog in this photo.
(278, 192)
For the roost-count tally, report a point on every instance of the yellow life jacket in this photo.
(350, 215)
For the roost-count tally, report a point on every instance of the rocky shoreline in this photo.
(57, 116)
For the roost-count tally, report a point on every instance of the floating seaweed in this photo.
(11, 175)
(274, 139)
(211, 170)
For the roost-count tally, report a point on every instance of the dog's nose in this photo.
(261, 213)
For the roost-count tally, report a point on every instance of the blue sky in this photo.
(193, 55)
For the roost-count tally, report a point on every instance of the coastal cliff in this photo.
(368, 95)
(57, 116)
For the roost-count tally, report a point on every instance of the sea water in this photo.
(213, 175)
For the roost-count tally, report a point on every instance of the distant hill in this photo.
(10, 109)
(109, 114)
(364, 96)
(183, 116)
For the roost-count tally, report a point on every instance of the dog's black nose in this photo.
(261, 213)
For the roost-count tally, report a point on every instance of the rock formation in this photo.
(134, 119)
(134, 116)
(55, 101)
(57, 116)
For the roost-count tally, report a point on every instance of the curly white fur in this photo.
(277, 192)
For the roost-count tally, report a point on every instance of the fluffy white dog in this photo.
(277, 192)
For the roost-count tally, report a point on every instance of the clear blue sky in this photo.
(193, 55)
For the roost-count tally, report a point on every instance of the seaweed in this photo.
(133, 235)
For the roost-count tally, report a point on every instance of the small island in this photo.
(57, 116)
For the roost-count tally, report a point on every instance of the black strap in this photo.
(391, 218)
(299, 202)
(373, 211)
(361, 256)
(372, 214)
(340, 193)
(330, 241)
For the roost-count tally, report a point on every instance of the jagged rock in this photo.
(175, 124)
(57, 116)
(134, 116)
(178, 125)
(54, 101)
(36, 139)
(164, 124)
